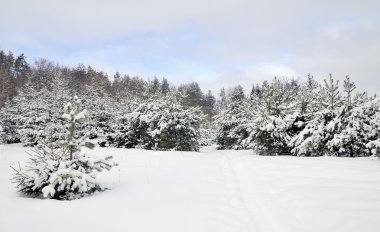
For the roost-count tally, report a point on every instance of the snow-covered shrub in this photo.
(63, 172)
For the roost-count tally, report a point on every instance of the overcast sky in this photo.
(214, 42)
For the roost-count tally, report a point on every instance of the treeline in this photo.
(15, 72)
(278, 117)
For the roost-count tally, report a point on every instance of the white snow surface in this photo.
(213, 191)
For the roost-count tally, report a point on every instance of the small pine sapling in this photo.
(62, 172)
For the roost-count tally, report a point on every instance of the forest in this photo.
(282, 116)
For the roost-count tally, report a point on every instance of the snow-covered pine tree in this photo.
(232, 123)
(348, 131)
(121, 108)
(373, 108)
(63, 172)
(307, 98)
(207, 133)
(360, 98)
(307, 106)
(161, 123)
(329, 95)
(101, 118)
(36, 115)
(352, 132)
(25, 117)
(33, 109)
(222, 101)
(60, 94)
(208, 105)
(9, 122)
(132, 129)
(74, 114)
(350, 127)
(313, 139)
(165, 87)
(275, 114)
(349, 87)
(178, 126)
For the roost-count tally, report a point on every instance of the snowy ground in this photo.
(212, 191)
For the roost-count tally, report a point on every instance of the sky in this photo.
(214, 42)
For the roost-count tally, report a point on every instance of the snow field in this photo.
(208, 191)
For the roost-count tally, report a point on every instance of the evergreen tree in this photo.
(177, 127)
(374, 126)
(25, 118)
(192, 94)
(99, 120)
(236, 94)
(222, 102)
(312, 140)
(156, 85)
(307, 97)
(208, 105)
(275, 114)
(255, 91)
(116, 84)
(63, 172)
(165, 86)
(161, 124)
(351, 134)
(349, 87)
(329, 96)
(9, 122)
(232, 123)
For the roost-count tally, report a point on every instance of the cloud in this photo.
(216, 42)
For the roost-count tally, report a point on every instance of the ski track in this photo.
(234, 194)
(257, 215)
